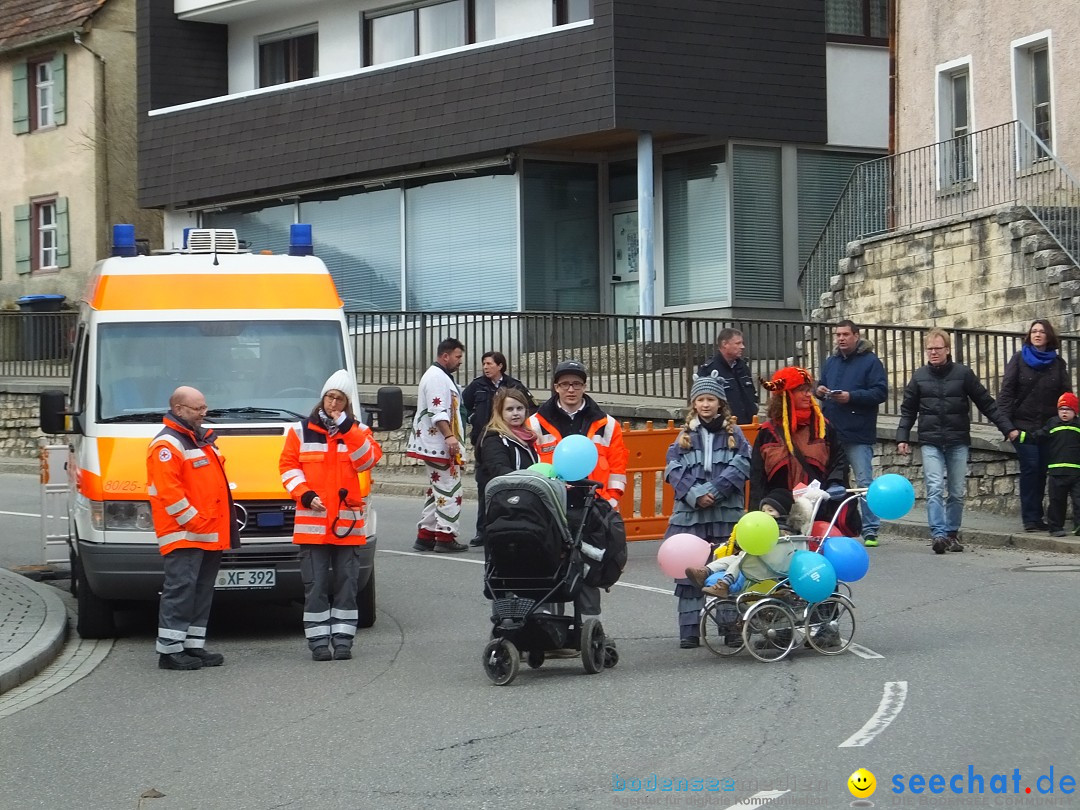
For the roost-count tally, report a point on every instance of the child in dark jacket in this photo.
(1061, 439)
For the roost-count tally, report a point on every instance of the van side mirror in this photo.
(53, 414)
(389, 409)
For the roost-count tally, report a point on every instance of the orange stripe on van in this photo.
(168, 291)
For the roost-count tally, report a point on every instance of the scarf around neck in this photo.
(1037, 358)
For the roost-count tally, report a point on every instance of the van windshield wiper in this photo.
(142, 416)
(253, 412)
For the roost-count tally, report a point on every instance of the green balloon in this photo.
(545, 469)
(756, 533)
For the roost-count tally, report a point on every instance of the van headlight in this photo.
(132, 516)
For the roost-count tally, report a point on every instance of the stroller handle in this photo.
(856, 493)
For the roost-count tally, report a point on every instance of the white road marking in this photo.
(864, 652)
(892, 701)
(760, 798)
(28, 514)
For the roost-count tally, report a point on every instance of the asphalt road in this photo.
(976, 667)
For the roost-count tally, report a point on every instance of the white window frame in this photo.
(1024, 91)
(46, 236)
(944, 76)
(44, 98)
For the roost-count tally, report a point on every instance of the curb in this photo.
(1027, 541)
(48, 639)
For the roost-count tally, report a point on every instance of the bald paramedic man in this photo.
(571, 411)
(193, 519)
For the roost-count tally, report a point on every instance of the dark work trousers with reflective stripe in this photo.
(186, 598)
(330, 575)
(1062, 488)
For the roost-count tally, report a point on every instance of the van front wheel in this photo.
(95, 618)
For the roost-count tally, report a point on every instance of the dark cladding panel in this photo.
(440, 109)
(179, 61)
(730, 68)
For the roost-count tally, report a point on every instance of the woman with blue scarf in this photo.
(1034, 379)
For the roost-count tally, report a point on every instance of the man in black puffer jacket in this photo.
(940, 395)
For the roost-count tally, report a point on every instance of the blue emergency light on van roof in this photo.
(123, 241)
(300, 240)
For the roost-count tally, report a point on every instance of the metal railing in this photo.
(994, 167)
(36, 344)
(396, 349)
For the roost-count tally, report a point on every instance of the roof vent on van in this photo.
(212, 240)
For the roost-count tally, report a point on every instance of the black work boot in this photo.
(180, 660)
(209, 659)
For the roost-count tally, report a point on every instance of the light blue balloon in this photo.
(574, 458)
(848, 557)
(812, 576)
(890, 496)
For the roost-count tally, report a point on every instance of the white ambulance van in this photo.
(258, 335)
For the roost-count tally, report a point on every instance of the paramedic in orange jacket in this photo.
(193, 519)
(572, 411)
(319, 467)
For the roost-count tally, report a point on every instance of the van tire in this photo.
(95, 619)
(365, 602)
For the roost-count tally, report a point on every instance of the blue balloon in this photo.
(848, 557)
(890, 496)
(574, 458)
(811, 576)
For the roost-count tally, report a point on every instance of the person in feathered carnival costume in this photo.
(797, 445)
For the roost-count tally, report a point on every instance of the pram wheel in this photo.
(501, 660)
(769, 630)
(830, 625)
(611, 656)
(592, 646)
(719, 627)
(535, 658)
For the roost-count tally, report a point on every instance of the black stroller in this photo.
(533, 566)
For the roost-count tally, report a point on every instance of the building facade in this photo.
(968, 66)
(67, 80)
(518, 155)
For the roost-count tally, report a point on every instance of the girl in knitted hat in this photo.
(707, 466)
(796, 445)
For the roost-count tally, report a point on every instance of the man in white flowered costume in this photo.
(438, 440)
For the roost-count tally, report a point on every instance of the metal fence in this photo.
(646, 358)
(36, 344)
(396, 348)
(1002, 165)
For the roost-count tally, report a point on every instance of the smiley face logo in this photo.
(862, 784)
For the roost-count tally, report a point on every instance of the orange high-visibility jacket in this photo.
(605, 432)
(315, 461)
(189, 491)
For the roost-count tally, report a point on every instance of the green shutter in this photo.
(59, 76)
(63, 248)
(20, 94)
(22, 239)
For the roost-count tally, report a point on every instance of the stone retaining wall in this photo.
(991, 484)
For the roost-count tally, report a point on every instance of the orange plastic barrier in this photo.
(645, 478)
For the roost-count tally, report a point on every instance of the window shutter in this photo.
(759, 225)
(822, 178)
(20, 93)
(59, 75)
(63, 248)
(22, 239)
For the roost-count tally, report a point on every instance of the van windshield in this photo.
(247, 370)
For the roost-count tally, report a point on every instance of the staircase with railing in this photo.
(994, 167)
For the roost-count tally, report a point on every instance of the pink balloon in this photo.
(682, 551)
